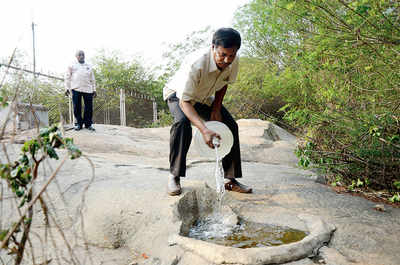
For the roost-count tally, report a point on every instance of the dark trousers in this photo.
(181, 137)
(88, 112)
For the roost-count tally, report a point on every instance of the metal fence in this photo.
(133, 110)
(116, 107)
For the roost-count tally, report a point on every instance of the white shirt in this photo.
(80, 77)
(199, 78)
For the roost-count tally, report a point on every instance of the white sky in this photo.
(130, 26)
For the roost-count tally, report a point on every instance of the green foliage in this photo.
(396, 184)
(255, 92)
(113, 74)
(337, 181)
(3, 102)
(164, 119)
(178, 51)
(20, 173)
(20, 176)
(334, 66)
(395, 198)
(355, 184)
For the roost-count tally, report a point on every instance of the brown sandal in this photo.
(234, 185)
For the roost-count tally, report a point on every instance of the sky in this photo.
(133, 27)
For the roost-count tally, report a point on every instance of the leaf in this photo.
(395, 198)
(16, 172)
(3, 234)
(290, 6)
(51, 152)
(73, 150)
(359, 183)
(397, 184)
(395, 138)
(24, 159)
(20, 193)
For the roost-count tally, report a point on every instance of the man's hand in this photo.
(208, 136)
(194, 117)
(67, 93)
(216, 115)
(94, 94)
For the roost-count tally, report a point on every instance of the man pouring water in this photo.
(195, 94)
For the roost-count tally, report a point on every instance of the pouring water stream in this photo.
(219, 175)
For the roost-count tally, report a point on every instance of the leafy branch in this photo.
(21, 175)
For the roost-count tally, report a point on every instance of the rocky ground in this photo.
(129, 218)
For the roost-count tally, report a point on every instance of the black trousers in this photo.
(181, 137)
(88, 112)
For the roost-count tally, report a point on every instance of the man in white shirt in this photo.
(80, 80)
(195, 94)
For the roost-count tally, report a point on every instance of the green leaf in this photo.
(397, 184)
(20, 193)
(51, 152)
(16, 172)
(3, 234)
(290, 6)
(24, 159)
(359, 183)
(284, 107)
(395, 198)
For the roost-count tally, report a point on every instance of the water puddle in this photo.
(227, 230)
(246, 234)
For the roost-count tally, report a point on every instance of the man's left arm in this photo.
(217, 104)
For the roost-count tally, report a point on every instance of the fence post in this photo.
(70, 111)
(155, 118)
(122, 112)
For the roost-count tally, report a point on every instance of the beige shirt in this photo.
(80, 77)
(199, 78)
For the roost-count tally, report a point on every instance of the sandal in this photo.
(234, 185)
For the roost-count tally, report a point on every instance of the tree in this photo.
(335, 65)
(113, 74)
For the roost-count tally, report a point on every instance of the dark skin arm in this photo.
(217, 104)
(194, 117)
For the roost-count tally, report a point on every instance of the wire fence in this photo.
(114, 107)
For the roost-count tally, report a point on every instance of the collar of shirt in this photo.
(82, 64)
(212, 65)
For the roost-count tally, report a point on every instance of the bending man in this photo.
(195, 94)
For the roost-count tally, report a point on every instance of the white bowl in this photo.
(225, 144)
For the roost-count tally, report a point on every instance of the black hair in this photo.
(227, 38)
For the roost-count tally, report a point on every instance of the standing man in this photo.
(80, 80)
(195, 94)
